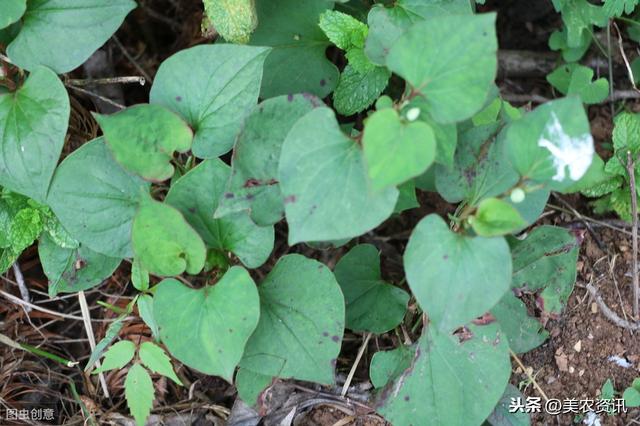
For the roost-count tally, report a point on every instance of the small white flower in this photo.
(517, 195)
(413, 114)
(567, 151)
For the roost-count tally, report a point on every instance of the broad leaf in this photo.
(450, 382)
(301, 322)
(396, 149)
(387, 365)
(62, 34)
(209, 329)
(253, 184)
(387, 24)
(73, 269)
(145, 309)
(118, 355)
(496, 217)
(574, 79)
(325, 185)
(453, 277)
(11, 11)
(579, 16)
(163, 241)
(552, 144)
(95, 199)
(298, 62)
(222, 88)
(139, 276)
(250, 385)
(155, 359)
(196, 195)
(372, 304)
(143, 138)
(523, 331)
(619, 7)
(481, 167)
(33, 125)
(138, 389)
(546, 260)
(503, 415)
(454, 70)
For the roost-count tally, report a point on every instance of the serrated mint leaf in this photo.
(619, 7)
(155, 359)
(496, 217)
(25, 227)
(396, 149)
(457, 83)
(139, 392)
(343, 30)
(144, 137)
(33, 125)
(301, 322)
(626, 133)
(163, 241)
(387, 24)
(196, 195)
(62, 34)
(356, 90)
(372, 304)
(73, 269)
(297, 62)
(117, 356)
(11, 11)
(253, 184)
(450, 382)
(442, 266)
(552, 144)
(234, 20)
(212, 325)
(324, 181)
(95, 199)
(222, 88)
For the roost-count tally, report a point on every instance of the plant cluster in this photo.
(154, 190)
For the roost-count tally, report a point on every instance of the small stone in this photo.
(578, 346)
(590, 336)
(580, 373)
(594, 308)
(571, 370)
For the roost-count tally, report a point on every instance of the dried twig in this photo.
(529, 376)
(634, 231)
(107, 80)
(347, 382)
(24, 291)
(624, 58)
(95, 95)
(608, 313)
(131, 59)
(86, 316)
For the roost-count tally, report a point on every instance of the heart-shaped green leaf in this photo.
(301, 322)
(395, 150)
(552, 144)
(163, 241)
(207, 329)
(222, 88)
(62, 34)
(450, 382)
(523, 331)
(253, 184)
(575, 79)
(456, 85)
(372, 304)
(297, 63)
(33, 125)
(496, 217)
(11, 11)
(455, 278)
(96, 199)
(325, 184)
(73, 269)
(143, 138)
(196, 195)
